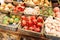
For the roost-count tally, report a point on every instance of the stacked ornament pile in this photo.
(32, 23)
(52, 26)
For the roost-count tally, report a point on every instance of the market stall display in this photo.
(19, 8)
(32, 11)
(46, 11)
(31, 23)
(6, 8)
(34, 18)
(37, 2)
(52, 26)
(9, 22)
(11, 19)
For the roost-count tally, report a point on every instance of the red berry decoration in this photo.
(23, 17)
(29, 23)
(34, 21)
(37, 30)
(25, 27)
(33, 17)
(31, 28)
(40, 19)
(29, 18)
(23, 23)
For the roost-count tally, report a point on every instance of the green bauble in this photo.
(16, 20)
(6, 17)
(5, 22)
(11, 20)
(13, 16)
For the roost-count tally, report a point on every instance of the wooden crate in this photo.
(29, 32)
(9, 35)
(9, 27)
(52, 37)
